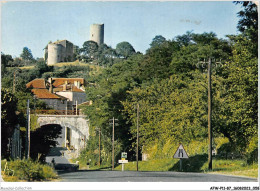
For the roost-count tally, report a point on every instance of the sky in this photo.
(33, 24)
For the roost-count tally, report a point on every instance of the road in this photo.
(133, 176)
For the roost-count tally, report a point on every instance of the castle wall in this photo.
(97, 33)
(69, 51)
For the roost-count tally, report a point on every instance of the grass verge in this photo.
(226, 167)
(233, 167)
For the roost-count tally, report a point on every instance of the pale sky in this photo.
(34, 24)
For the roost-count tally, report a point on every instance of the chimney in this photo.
(64, 87)
(50, 88)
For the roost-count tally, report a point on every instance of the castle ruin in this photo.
(64, 50)
(59, 51)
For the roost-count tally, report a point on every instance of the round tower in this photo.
(54, 53)
(97, 33)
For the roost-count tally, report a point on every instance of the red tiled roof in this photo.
(44, 94)
(60, 81)
(75, 89)
(37, 83)
(68, 89)
(57, 89)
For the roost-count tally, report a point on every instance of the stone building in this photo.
(59, 51)
(59, 93)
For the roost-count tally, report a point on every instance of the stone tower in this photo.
(97, 33)
(54, 53)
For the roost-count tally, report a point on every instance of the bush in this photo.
(30, 171)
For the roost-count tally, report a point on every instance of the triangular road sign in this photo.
(180, 153)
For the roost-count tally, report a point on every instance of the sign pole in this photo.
(122, 166)
(181, 154)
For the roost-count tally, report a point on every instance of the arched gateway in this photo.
(75, 130)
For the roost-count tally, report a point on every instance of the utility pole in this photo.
(34, 100)
(137, 136)
(76, 107)
(209, 115)
(210, 133)
(14, 83)
(113, 139)
(27, 154)
(99, 147)
(66, 107)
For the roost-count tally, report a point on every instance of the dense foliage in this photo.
(170, 85)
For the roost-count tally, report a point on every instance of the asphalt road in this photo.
(133, 176)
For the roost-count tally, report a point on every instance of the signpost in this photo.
(123, 155)
(181, 154)
(123, 161)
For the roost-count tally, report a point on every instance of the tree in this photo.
(157, 41)
(8, 119)
(5, 59)
(105, 55)
(184, 40)
(248, 23)
(26, 54)
(238, 113)
(89, 49)
(124, 49)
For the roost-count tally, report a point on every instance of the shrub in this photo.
(31, 171)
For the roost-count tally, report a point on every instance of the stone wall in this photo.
(56, 104)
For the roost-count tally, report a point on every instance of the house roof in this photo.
(56, 82)
(37, 84)
(45, 94)
(68, 89)
(75, 89)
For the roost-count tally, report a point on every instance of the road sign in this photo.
(123, 161)
(124, 155)
(180, 153)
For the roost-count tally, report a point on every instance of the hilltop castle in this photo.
(64, 50)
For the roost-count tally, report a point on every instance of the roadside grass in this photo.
(195, 164)
(151, 165)
(83, 165)
(233, 167)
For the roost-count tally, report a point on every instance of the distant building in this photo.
(59, 51)
(59, 93)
